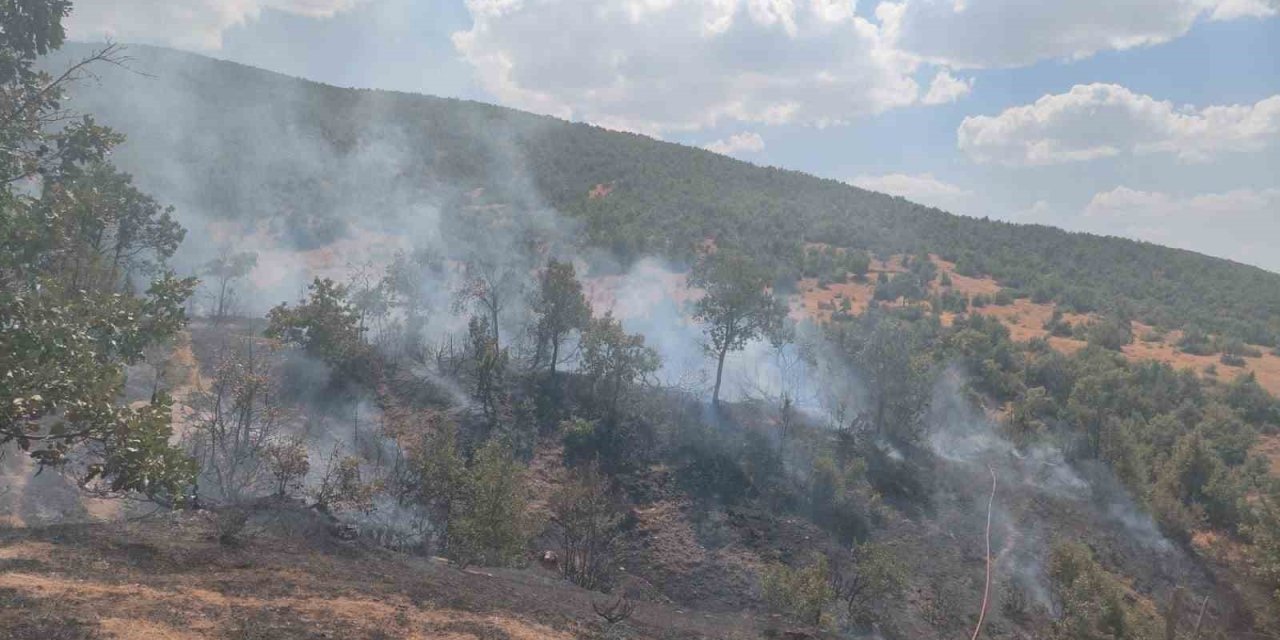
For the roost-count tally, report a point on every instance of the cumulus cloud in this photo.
(191, 24)
(922, 188)
(947, 88)
(746, 142)
(1233, 9)
(1010, 33)
(1241, 224)
(660, 65)
(1102, 120)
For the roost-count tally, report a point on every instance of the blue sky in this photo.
(1152, 119)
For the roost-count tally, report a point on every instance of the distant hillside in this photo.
(306, 159)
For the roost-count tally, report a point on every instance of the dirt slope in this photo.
(167, 577)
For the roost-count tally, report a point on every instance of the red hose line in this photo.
(986, 590)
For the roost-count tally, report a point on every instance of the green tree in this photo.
(1110, 333)
(737, 305)
(437, 470)
(489, 365)
(72, 231)
(325, 324)
(614, 359)
(1091, 599)
(884, 350)
(491, 525)
(560, 308)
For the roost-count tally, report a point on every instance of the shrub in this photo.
(288, 463)
(341, 488)
(869, 575)
(1110, 333)
(491, 526)
(801, 594)
(587, 516)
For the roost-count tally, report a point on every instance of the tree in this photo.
(560, 307)
(325, 325)
(118, 232)
(236, 419)
(737, 305)
(614, 359)
(341, 486)
(490, 283)
(491, 525)
(489, 364)
(225, 270)
(71, 232)
(1110, 333)
(1091, 600)
(437, 470)
(288, 462)
(882, 348)
(587, 515)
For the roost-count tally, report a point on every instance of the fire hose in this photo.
(986, 590)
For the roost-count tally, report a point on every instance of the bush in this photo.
(288, 463)
(341, 488)
(1111, 333)
(801, 594)
(1232, 360)
(867, 577)
(492, 525)
(579, 438)
(1195, 342)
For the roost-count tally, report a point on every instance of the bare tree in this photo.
(235, 420)
(490, 284)
(587, 515)
(614, 611)
(222, 273)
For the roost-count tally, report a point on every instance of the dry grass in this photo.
(167, 577)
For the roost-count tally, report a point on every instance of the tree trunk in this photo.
(555, 355)
(493, 311)
(715, 396)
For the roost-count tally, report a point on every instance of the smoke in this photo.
(320, 182)
(1042, 498)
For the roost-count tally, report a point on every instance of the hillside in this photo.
(444, 369)
(307, 161)
(167, 577)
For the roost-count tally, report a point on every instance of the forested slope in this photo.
(311, 158)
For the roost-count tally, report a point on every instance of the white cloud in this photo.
(662, 65)
(1103, 120)
(1233, 9)
(1009, 33)
(746, 142)
(947, 88)
(192, 24)
(1241, 224)
(1038, 212)
(922, 188)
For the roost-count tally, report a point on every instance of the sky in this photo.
(1157, 120)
